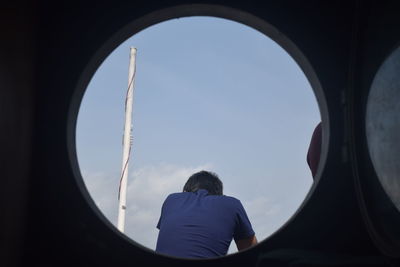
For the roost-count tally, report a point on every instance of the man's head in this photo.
(204, 180)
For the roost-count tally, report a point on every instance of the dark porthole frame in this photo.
(380, 212)
(162, 15)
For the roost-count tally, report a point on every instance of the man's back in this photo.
(198, 225)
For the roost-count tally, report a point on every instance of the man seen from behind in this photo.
(201, 222)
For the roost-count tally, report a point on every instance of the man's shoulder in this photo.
(231, 201)
(177, 195)
(227, 200)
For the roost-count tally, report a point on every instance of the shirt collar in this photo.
(202, 192)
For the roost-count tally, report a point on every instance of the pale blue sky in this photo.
(209, 93)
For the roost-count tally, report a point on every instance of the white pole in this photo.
(127, 142)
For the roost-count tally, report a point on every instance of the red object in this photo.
(314, 150)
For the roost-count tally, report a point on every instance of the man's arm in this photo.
(246, 242)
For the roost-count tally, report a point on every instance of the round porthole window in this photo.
(208, 94)
(383, 126)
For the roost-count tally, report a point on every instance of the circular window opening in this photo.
(209, 94)
(383, 126)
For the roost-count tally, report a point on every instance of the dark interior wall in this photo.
(378, 37)
(46, 45)
(68, 39)
(17, 89)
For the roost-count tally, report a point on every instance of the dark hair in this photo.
(204, 180)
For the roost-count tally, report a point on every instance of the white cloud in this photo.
(262, 213)
(260, 210)
(103, 188)
(149, 186)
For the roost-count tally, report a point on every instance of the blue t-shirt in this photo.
(198, 225)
